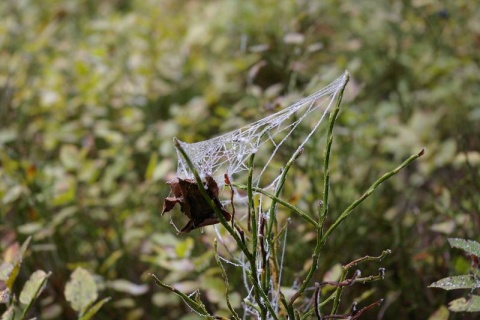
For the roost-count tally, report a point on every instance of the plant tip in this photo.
(175, 141)
(421, 152)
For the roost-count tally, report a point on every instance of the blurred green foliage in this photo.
(92, 92)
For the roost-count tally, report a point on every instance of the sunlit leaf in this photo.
(456, 282)
(69, 155)
(446, 227)
(81, 290)
(469, 246)
(5, 271)
(33, 287)
(126, 286)
(16, 258)
(12, 194)
(464, 305)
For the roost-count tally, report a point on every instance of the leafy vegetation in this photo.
(470, 281)
(80, 291)
(92, 93)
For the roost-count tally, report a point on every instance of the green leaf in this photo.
(5, 271)
(464, 305)
(13, 275)
(17, 262)
(24, 247)
(33, 287)
(81, 290)
(69, 156)
(183, 249)
(94, 309)
(440, 314)
(12, 194)
(151, 166)
(9, 314)
(456, 282)
(469, 246)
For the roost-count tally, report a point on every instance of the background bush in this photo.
(92, 92)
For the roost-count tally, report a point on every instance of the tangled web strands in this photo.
(229, 153)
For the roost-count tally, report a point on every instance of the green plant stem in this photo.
(264, 297)
(225, 280)
(295, 209)
(326, 188)
(290, 310)
(273, 222)
(355, 204)
(311, 270)
(253, 216)
(189, 301)
(328, 150)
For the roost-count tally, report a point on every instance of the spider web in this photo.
(229, 153)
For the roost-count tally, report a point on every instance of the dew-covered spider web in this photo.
(266, 138)
(229, 153)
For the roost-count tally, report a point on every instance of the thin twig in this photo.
(225, 280)
(282, 202)
(194, 305)
(339, 291)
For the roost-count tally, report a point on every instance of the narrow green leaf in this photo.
(469, 246)
(456, 282)
(24, 247)
(94, 309)
(81, 290)
(464, 305)
(195, 304)
(225, 280)
(13, 275)
(151, 166)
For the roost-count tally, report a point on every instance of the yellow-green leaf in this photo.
(440, 314)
